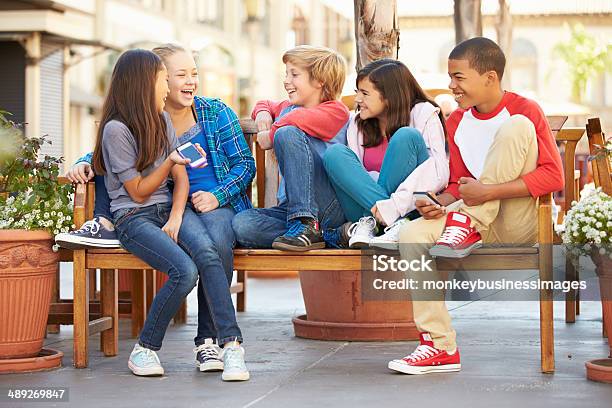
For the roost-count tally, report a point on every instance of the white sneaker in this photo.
(362, 232)
(234, 368)
(144, 362)
(208, 356)
(390, 239)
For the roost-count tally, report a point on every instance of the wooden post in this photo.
(545, 239)
(109, 297)
(241, 296)
(139, 313)
(80, 310)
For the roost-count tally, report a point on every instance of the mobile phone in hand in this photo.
(427, 196)
(189, 151)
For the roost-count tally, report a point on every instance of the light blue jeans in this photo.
(139, 230)
(357, 192)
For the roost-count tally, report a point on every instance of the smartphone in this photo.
(427, 196)
(189, 151)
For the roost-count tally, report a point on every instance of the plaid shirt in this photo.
(231, 158)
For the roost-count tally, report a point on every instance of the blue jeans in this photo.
(308, 192)
(357, 192)
(102, 202)
(139, 231)
(218, 226)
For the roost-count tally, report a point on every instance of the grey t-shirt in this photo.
(120, 154)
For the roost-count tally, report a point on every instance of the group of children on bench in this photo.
(344, 177)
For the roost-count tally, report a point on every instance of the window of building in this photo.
(524, 66)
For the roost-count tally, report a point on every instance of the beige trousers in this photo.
(514, 152)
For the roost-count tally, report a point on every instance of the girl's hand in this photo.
(80, 173)
(263, 120)
(377, 216)
(429, 211)
(263, 139)
(203, 153)
(177, 158)
(172, 227)
(203, 201)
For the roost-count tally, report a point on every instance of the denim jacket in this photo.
(232, 161)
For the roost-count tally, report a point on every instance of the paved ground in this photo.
(499, 343)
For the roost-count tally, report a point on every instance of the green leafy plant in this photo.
(31, 196)
(585, 58)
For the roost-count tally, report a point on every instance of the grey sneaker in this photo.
(144, 362)
(234, 368)
(208, 356)
(91, 235)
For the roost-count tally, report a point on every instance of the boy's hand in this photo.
(429, 211)
(263, 120)
(472, 191)
(263, 139)
(80, 173)
(172, 227)
(203, 201)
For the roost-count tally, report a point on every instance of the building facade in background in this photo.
(58, 55)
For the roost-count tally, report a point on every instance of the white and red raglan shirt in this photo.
(470, 135)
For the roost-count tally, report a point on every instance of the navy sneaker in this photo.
(91, 235)
(337, 237)
(302, 236)
(208, 356)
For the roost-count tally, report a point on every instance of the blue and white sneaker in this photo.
(234, 368)
(91, 235)
(208, 356)
(144, 362)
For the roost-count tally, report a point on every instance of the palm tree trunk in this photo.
(504, 38)
(468, 20)
(376, 30)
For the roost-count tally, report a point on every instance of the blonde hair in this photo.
(164, 51)
(323, 65)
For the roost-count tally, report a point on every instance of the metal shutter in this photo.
(12, 80)
(52, 99)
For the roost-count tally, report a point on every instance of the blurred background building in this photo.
(57, 56)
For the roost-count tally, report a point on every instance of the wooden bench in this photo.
(109, 260)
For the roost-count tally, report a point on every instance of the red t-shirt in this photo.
(471, 133)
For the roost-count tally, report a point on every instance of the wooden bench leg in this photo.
(241, 296)
(93, 284)
(80, 310)
(139, 314)
(55, 298)
(570, 296)
(546, 311)
(109, 294)
(181, 314)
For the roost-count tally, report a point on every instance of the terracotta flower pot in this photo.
(336, 310)
(28, 269)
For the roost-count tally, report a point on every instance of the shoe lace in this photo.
(453, 235)
(207, 351)
(363, 226)
(295, 228)
(421, 353)
(91, 226)
(331, 237)
(233, 357)
(150, 356)
(394, 228)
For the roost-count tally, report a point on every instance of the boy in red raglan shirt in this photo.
(502, 157)
(299, 130)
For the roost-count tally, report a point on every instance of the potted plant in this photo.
(33, 207)
(588, 231)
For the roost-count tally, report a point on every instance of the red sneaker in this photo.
(427, 359)
(458, 238)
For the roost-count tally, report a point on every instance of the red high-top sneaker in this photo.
(458, 238)
(427, 359)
